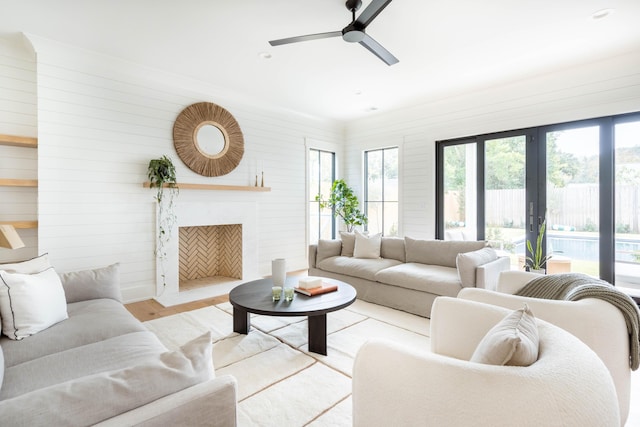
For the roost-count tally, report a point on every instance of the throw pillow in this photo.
(30, 303)
(367, 246)
(95, 398)
(92, 284)
(34, 265)
(467, 263)
(513, 341)
(348, 243)
(327, 249)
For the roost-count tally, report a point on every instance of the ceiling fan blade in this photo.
(369, 14)
(379, 51)
(305, 38)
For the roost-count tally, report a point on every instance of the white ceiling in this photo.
(444, 47)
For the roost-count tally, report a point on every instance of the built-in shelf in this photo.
(21, 224)
(18, 141)
(5, 182)
(217, 187)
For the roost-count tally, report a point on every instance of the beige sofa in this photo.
(409, 273)
(100, 364)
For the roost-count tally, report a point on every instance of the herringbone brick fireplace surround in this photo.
(210, 251)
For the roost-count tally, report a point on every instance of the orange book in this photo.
(317, 291)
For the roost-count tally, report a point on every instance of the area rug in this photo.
(281, 383)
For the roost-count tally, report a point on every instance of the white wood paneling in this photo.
(596, 89)
(101, 120)
(18, 116)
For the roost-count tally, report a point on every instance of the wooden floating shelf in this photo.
(18, 141)
(217, 187)
(21, 224)
(18, 182)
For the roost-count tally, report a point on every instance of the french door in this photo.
(581, 179)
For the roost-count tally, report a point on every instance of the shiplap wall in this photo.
(100, 121)
(601, 88)
(18, 116)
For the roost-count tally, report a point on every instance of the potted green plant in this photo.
(344, 204)
(162, 176)
(536, 262)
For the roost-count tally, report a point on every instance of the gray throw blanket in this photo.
(576, 286)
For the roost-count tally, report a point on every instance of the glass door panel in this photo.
(627, 206)
(505, 196)
(573, 200)
(460, 191)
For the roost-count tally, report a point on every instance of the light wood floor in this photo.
(152, 309)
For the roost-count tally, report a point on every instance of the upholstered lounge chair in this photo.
(597, 323)
(394, 385)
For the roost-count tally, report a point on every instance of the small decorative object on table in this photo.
(288, 294)
(276, 292)
(311, 286)
(278, 271)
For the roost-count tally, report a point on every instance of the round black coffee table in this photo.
(255, 297)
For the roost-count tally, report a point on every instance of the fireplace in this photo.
(211, 253)
(196, 268)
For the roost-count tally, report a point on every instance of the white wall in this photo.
(100, 121)
(592, 90)
(18, 116)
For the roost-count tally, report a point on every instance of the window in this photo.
(381, 191)
(582, 178)
(321, 177)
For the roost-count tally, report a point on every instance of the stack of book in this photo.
(311, 286)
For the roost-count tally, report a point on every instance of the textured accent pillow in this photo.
(513, 341)
(30, 266)
(95, 398)
(468, 262)
(367, 246)
(92, 284)
(30, 303)
(348, 243)
(328, 249)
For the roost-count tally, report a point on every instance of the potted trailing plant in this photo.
(162, 176)
(536, 262)
(344, 204)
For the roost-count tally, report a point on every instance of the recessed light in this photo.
(264, 55)
(372, 109)
(601, 14)
(357, 92)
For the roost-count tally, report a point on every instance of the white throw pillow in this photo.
(348, 243)
(30, 266)
(367, 246)
(468, 262)
(30, 303)
(513, 341)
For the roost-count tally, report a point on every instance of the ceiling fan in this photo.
(354, 32)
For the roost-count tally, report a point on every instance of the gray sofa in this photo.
(409, 273)
(102, 366)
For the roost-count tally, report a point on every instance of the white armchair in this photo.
(597, 323)
(394, 385)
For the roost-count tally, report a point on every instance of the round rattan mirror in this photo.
(208, 139)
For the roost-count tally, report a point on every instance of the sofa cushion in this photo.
(468, 262)
(367, 246)
(393, 248)
(30, 303)
(348, 243)
(110, 354)
(89, 322)
(434, 279)
(327, 249)
(31, 266)
(438, 252)
(513, 341)
(356, 267)
(1, 366)
(92, 284)
(95, 398)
